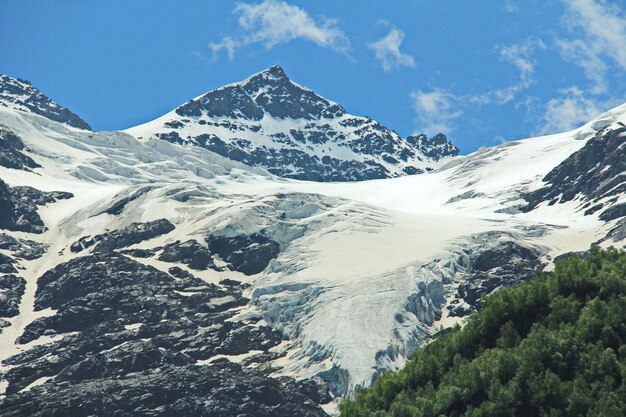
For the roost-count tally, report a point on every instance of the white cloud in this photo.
(272, 22)
(584, 56)
(569, 110)
(596, 43)
(518, 55)
(510, 7)
(228, 44)
(387, 51)
(600, 30)
(436, 110)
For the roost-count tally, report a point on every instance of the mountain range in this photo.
(260, 251)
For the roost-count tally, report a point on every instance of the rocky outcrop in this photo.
(22, 248)
(18, 207)
(139, 341)
(11, 291)
(221, 389)
(248, 254)
(21, 95)
(617, 233)
(595, 173)
(126, 236)
(120, 204)
(191, 253)
(435, 148)
(11, 155)
(493, 264)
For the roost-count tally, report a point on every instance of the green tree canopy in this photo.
(553, 347)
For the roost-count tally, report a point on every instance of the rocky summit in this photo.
(269, 121)
(20, 94)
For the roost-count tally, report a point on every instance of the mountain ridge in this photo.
(22, 95)
(268, 120)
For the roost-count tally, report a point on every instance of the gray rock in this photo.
(595, 172)
(18, 207)
(124, 237)
(191, 253)
(249, 254)
(12, 289)
(137, 334)
(21, 94)
(11, 155)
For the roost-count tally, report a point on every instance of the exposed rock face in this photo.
(595, 172)
(617, 233)
(13, 286)
(435, 148)
(119, 205)
(222, 389)
(272, 122)
(248, 254)
(283, 100)
(127, 236)
(18, 207)
(140, 346)
(613, 212)
(22, 248)
(11, 292)
(191, 253)
(491, 266)
(21, 95)
(11, 155)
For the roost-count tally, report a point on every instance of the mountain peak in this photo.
(267, 120)
(273, 72)
(269, 92)
(270, 80)
(272, 76)
(20, 94)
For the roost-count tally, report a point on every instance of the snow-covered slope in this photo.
(269, 121)
(150, 270)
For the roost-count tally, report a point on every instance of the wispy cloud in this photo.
(596, 42)
(227, 44)
(572, 108)
(510, 7)
(599, 32)
(272, 22)
(604, 26)
(387, 50)
(436, 110)
(520, 56)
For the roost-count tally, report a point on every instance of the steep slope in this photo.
(79, 291)
(551, 347)
(594, 175)
(158, 264)
(21, 95)
(269, 121)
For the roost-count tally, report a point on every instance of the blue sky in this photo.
(480, 71)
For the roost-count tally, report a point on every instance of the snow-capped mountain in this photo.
(269, 121)
(154, 278)
(21, 95)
